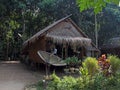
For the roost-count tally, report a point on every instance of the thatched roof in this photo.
(44, 31)
(92, 48)
(73, 41)
(70, 34)
(67, 34)
(112, 43)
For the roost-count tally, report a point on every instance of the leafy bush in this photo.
(91, 65)
(40, 85)
(66, 83)
(97, 82)
(53, 85)
(79, 84)
(90, 78)
(71, 60)
(115, 63)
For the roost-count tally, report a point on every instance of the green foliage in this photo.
(53, 84)
(66, 83)
(104, 83)
(111, 18)
(96, 5)
(112, 81)
(84, 70)
(55, 78)
(29, 16)
(12, 25)
(90, 78)
(91, 64)
(97, 82)
(115, 63)
(40, 85)
(71, 60)
(47, 4)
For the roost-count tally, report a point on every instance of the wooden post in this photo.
(62, 50)
(66, 51)
(81, 52)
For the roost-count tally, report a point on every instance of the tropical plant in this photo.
(97, 82)
(85, 82)
(26, 17)
(72, 61)
(55, 81)
(115, 63)
(97, 6)
(91, 65)
(104, 64)
(68, 83)
(40, 85)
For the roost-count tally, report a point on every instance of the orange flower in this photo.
(104, 56)
(104, 64)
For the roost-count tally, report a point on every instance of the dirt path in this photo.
(15, 76)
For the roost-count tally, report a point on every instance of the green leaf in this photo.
(97, 5)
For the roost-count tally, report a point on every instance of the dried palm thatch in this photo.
(63, 31)
(112, 43)
(68, 35)
(76, 41)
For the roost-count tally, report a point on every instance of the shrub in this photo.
(79, 84)
(72, 61)
(66, 83)
(115, 63)
(100, 82)
(40, 85)
(104, 64)
(97, 82)
(91, 65)
(53, 85)
(90, 79)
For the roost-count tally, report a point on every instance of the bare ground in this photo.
(15, 76)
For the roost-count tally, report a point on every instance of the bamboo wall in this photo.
(35, 47)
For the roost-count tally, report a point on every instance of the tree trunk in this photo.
(96, 32)
(7, 47)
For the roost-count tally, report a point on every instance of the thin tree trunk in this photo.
(96, 32)
(23, 21)
(7, 47)
(24, 26)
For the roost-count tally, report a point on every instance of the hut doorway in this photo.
(79, 52)
(64, 51)
(59, 50)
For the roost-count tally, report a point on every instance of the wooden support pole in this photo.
(66, 51)
(62, 50)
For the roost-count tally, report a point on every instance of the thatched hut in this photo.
(64, 35)
(111, 47)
